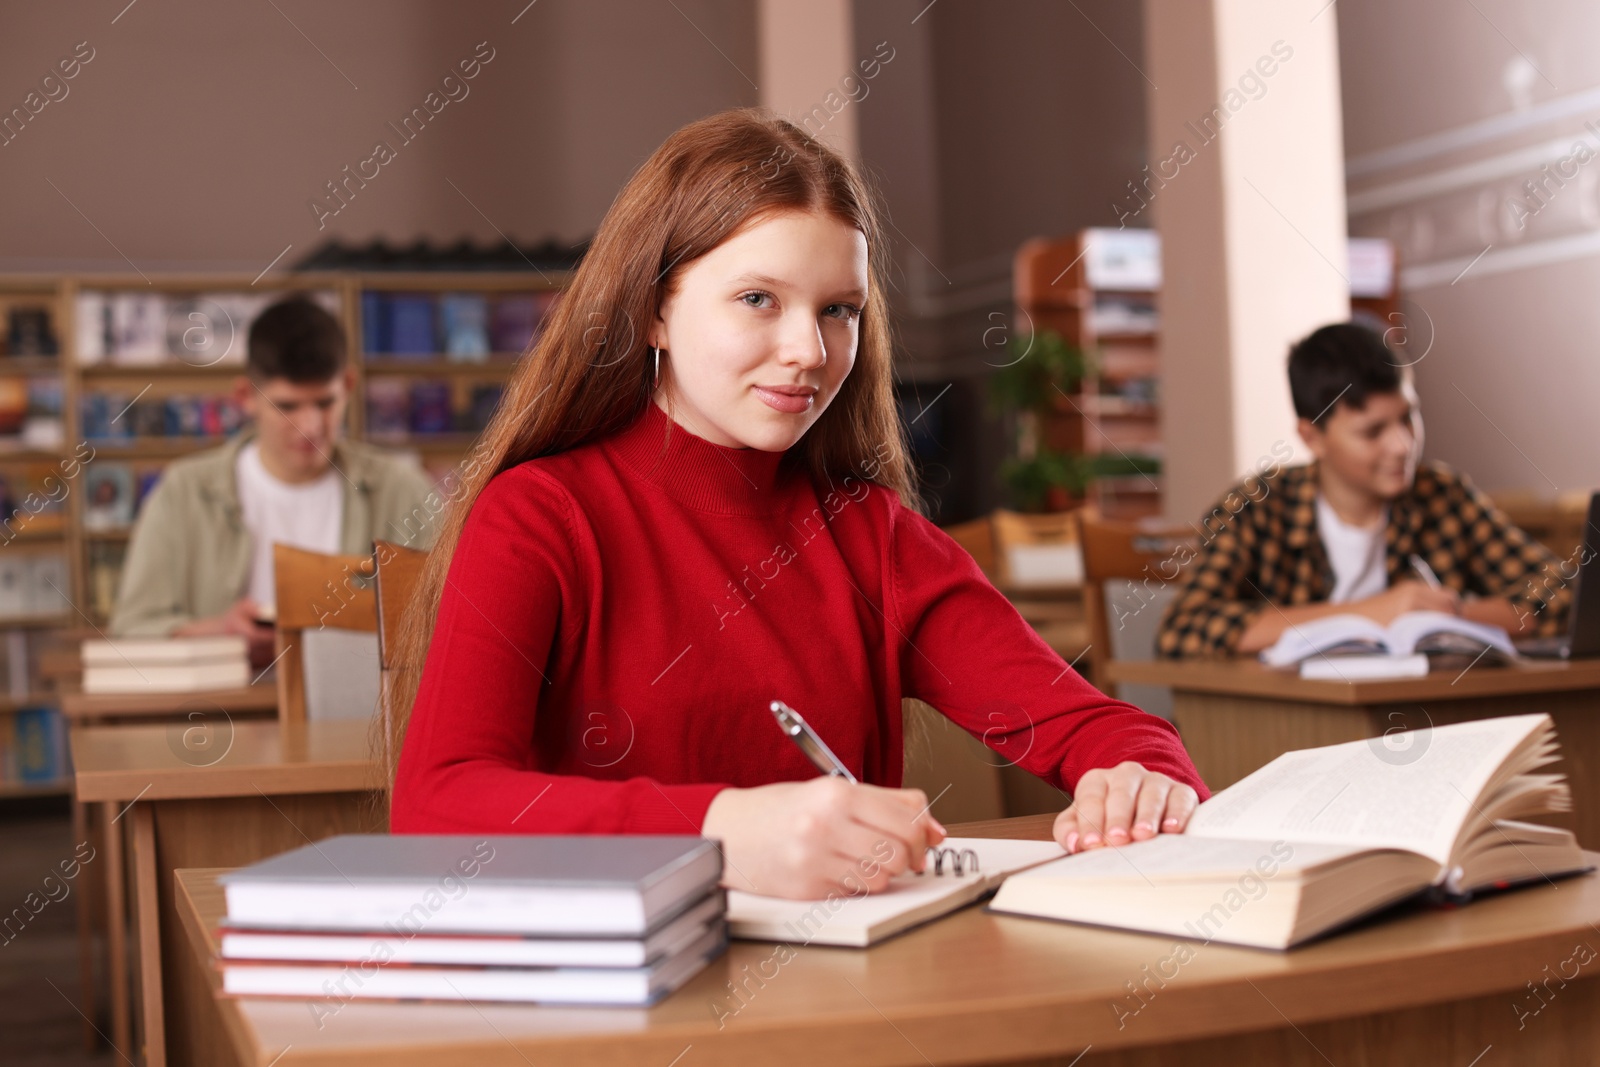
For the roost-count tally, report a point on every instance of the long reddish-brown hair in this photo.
(590, 374)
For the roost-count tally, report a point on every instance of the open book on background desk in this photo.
(1348, 647)
(910, 899)
(1322, 836)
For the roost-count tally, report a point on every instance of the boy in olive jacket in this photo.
(200, 558)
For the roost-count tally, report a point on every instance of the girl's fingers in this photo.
(897, 817)
(1090, 803)
(1121, 794)
(1181, 802)
(1065, 829)
(1151, 806)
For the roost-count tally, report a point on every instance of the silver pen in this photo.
(801, 733)
(1425, 572)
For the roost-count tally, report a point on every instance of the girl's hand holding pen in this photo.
(808, 839)
(1121, 804)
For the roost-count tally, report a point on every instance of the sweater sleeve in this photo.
(967, 652)
(510, 608)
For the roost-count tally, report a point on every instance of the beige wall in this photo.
(1246, 126)
(809, 68)
(197, 134)
(1448, 112)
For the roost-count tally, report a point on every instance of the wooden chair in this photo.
(315, 590)
(1051, 534)
(1136, 552)
(977, 537)
(399, 572)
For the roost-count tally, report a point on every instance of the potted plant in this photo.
(1042, 369)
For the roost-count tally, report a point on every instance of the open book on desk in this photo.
(1323, 836)
(952, 880)
(1353, 646)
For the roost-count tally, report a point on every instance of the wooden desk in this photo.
(1434, 987)
(240, 793)
(1236, 715)
(213, 707)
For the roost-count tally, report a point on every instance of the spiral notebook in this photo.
(959, 871)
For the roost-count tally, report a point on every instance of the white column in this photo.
(1246, 185)
(806, 49)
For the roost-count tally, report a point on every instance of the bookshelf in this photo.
(1101, 289)
(143, 372)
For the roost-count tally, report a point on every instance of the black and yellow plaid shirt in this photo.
(1266, 550)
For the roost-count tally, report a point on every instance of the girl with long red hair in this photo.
(695, 499)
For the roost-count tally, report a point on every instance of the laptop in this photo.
(1582, 638)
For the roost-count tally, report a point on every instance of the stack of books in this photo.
(563, 920)
(165, 664)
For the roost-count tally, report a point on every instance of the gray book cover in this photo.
(515, 861)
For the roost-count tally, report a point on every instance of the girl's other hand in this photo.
(1125, 803)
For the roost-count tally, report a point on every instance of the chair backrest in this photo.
(1036, 551)
(977, 537)
(321, 599)
(1145, 556)
(399, 573)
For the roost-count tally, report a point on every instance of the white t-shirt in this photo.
(1356, 553)
(306, 515)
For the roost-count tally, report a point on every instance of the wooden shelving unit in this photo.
(1101, 290)
(93, 554)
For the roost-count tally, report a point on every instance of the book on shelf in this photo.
(412, 330)
(432, 411)
(518, 318)
(388, 407)
(1321, 837)
(484, 403)
(108, 496)
(43, 427)
(959, 871)
(33, 585)
(1446, 640)
(115, 417)
(1122, 259)
(13, 405)
(137, 335)
(547, 919)
(30, 331)
(197, 329)
(38, 752)
(105, 560)
(464, 323)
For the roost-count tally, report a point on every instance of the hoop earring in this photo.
(657, 351)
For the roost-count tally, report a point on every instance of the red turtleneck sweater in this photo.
(617, 618)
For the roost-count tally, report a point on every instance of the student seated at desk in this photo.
(1338, 535)
(200, 557)
(697, 500)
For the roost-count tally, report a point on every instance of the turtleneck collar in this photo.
(695, 472)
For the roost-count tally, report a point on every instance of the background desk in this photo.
(1237, 715)
(251, 790)
(1428, 988)
(214, 707)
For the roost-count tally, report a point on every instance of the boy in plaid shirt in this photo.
(1337, 536)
